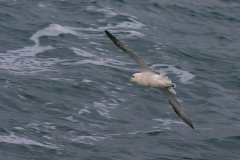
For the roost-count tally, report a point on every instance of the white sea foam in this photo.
(94, 43)
(70, 118)
(40, 127)
(22, 97)
(102, 109)
(52, 30)
(83, 111)
(87, 139)
(24, 61)
(86, 81)
(62, 79)
(166, 123)
(137, 132)
(96, 60)
(41, 5)
(19, 128)
(101, 62)
(12, 138)
(81, 52)
(131, 23)
(107, 11)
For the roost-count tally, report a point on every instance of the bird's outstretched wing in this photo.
(176, 107)
(139, 61)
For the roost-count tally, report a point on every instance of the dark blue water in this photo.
(64, 90)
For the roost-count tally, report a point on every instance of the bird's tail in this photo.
(172, 90)
(168, 82)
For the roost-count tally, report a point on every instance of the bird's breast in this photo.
(144, 81)
(155, 82)
(150, 81)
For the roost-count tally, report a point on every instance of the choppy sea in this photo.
(64, 91)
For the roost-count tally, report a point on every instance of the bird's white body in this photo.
(148, 79)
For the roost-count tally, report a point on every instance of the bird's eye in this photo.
(132, 76)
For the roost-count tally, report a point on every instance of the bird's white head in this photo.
(134, 77)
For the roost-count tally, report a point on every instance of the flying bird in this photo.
(148, 78)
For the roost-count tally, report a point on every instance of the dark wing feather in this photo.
(176, 106)
(139, 61)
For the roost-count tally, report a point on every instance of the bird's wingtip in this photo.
(184, 117)
(190, 124)
(110, 35)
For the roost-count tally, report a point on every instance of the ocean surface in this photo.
(64, 90)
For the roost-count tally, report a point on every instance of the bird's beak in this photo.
(129, 81)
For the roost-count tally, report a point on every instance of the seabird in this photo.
(149, 78)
